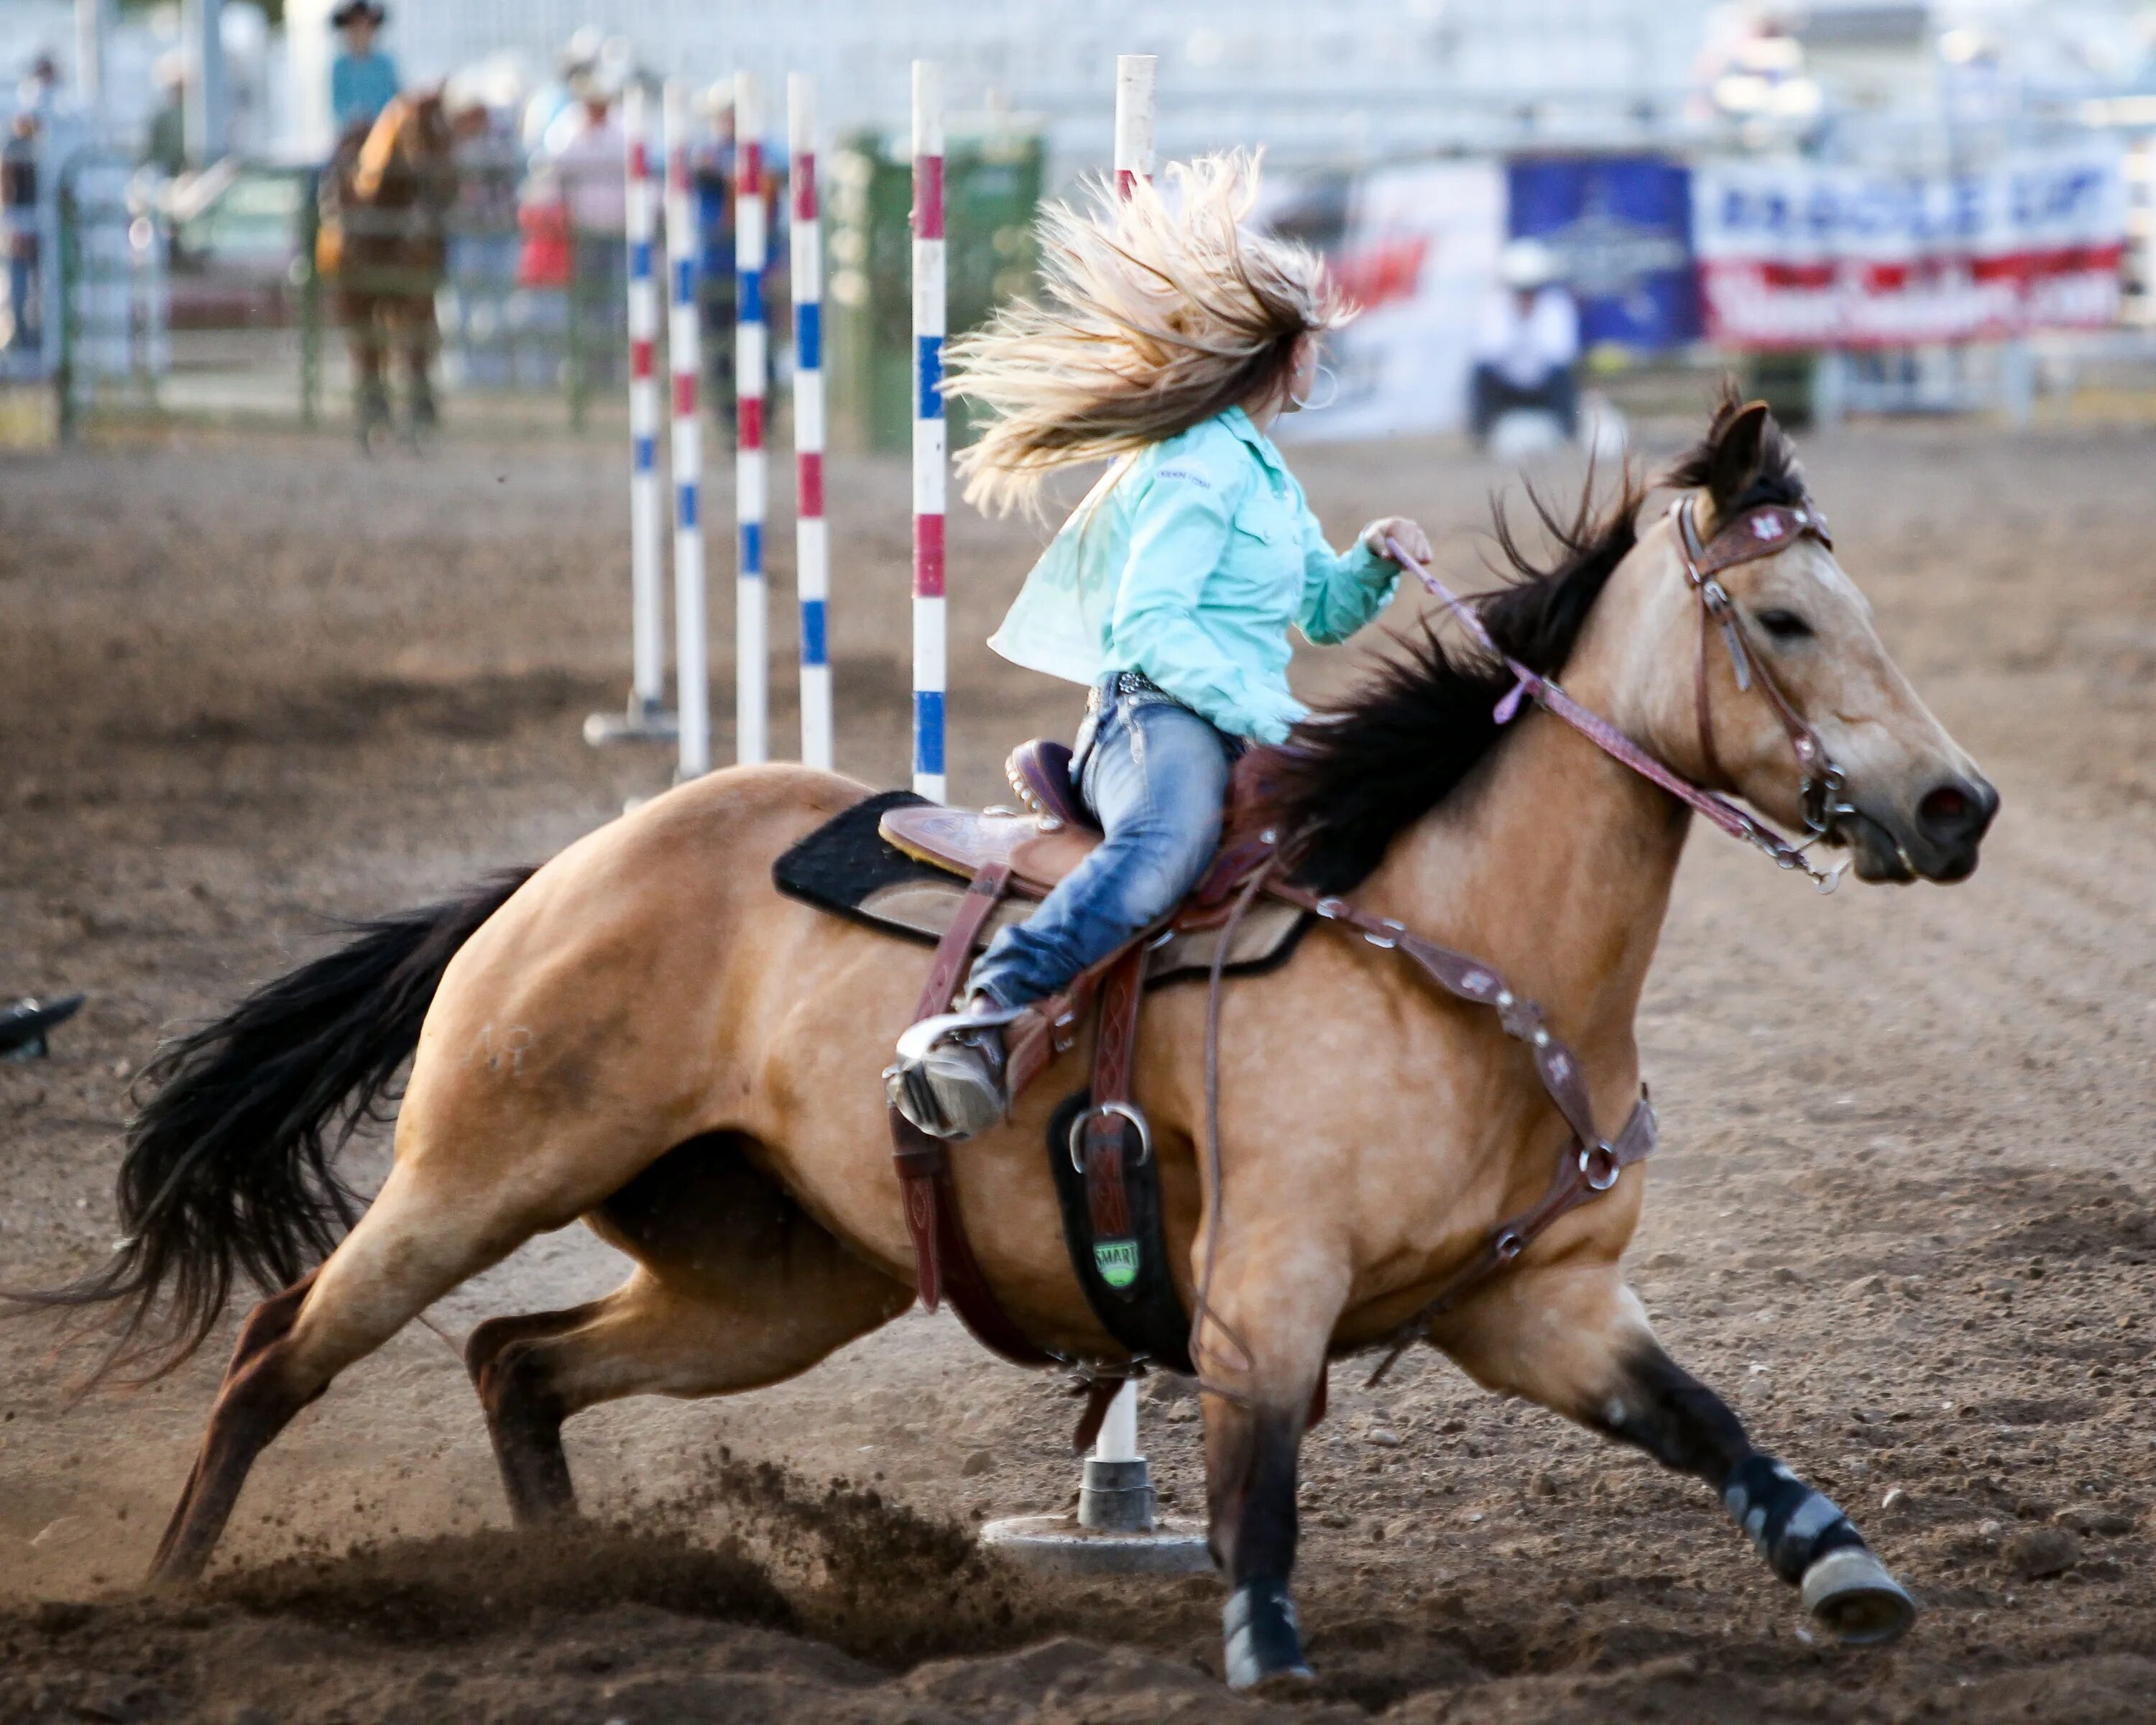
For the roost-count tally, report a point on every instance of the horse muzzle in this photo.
(1937, 837)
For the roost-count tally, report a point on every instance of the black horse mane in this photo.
(1353, 779)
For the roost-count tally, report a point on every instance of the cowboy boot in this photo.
(948, 1079)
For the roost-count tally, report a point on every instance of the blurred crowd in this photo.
(538, 234)
(40, 111)
(537, 223)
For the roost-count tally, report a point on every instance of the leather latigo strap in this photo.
(943, 1260)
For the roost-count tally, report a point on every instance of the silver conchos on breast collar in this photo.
(1757, 533)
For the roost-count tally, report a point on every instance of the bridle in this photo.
(1756, 534)
(1748, 537)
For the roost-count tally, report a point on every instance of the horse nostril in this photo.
(1956, 813)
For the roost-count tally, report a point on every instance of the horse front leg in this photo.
(1576, 1340)
(363, 341)
(1261, 1356)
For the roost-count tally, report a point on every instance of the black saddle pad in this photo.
(848, 868)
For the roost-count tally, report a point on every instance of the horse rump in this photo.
(228, 1168)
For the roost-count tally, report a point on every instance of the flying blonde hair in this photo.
(1159, 311)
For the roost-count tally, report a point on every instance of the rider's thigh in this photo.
(1156, 781)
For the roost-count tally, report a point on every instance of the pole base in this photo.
(1174, 1546)
(1116, 1497)
(645, 722)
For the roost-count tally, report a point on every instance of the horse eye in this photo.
(1784, 625)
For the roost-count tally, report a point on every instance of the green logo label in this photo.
(1118, 1261)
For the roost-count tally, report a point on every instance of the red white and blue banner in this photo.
(1795, 254)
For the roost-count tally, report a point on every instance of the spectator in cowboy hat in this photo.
(1528, 342)
(362, 78)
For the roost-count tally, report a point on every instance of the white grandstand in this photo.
(1342, 79)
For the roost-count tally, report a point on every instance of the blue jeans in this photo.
(1155, 776)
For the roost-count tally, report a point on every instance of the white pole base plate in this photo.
(1175, 1547)
(601, 729)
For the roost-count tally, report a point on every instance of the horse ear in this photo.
(1739, 454)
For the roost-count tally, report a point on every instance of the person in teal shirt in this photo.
(1168, 340)
(362, 78)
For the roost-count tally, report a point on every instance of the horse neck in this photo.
(1551, 861)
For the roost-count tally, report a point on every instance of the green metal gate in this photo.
(992, 187)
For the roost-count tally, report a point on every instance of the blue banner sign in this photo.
(1621, 226)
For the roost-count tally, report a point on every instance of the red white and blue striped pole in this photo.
(811, 544)
(1116, 1526)
(647, 716)
(1136, 77)
(752, 365)
(684, 354)
(930, 651)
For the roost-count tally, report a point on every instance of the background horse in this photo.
(384, 203)
(644, 1034)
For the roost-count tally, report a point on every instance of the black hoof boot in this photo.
(1263, 1640)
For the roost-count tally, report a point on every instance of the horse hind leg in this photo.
(364, 343)
(1576, 1341)
(736, 1287)
(416, 327)
(416, 1242)
(524, 1416)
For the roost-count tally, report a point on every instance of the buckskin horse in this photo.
(383, 205)
(644, 1034)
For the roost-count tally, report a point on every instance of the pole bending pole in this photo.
(1116, 1530)
(751, 604)
(812, 543)
(647, 716)
(1136, 77)
(929, 640)
(691, 658)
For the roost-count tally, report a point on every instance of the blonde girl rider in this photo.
(1169, 339)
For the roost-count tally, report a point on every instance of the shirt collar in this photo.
(1240, 423)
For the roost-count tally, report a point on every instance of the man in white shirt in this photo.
(589, 150)
(1528, 343)
(584, 160)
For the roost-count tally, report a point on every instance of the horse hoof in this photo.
(1263, 1645)
(1851, 1595)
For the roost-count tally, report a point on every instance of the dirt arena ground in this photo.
(1905, 1220)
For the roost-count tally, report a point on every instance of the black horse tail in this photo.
(228, 1164)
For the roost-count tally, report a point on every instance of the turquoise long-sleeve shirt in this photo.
(360, 86)
(1188, 563)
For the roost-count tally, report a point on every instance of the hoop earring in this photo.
(1305, 406)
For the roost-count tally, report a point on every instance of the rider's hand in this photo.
(1411, 538)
